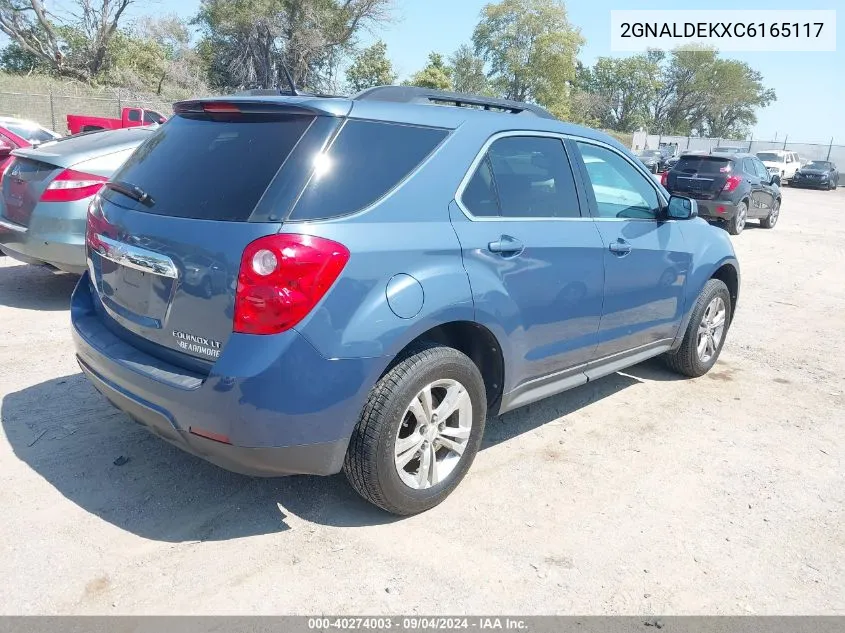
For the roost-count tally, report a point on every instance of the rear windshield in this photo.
(31, 134)
(196, 167)
(703, 164)
(366, 161)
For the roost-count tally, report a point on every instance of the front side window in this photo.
(523, 177)
(151, 117)
(620, 190)
(749, 167)
(761, 170)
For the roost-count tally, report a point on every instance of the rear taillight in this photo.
(732, 183)
(282, 277)
(664, 178)
(71, 185)
(6, 169)
(96, 225)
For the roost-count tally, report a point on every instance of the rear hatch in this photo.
(62, 171)
(701, 177)
(167, 234)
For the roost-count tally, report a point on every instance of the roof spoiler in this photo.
(414, 94)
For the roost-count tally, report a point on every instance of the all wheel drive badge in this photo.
(197, 344)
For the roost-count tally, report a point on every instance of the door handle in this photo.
(620, 247)
(506, 245)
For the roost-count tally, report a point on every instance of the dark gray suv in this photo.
(730, 188)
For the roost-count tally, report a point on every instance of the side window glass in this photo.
(479, 197)
(620, 190)
(749, 167)
(761, 170)
(134, 116)
(151, 117)
(533, 178)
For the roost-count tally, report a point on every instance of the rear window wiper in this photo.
(131, 191)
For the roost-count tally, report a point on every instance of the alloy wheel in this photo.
(711, 329)
(433, 434)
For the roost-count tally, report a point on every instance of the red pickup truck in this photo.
(130, 117)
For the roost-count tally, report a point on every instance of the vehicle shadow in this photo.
(31, 287)
(99, 459)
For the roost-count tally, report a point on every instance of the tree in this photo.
(74, 47)
(735, 92)
(370, 67)
(531, 50)
(247, 43)
(436, 74)
(468, 72)
(625, 86)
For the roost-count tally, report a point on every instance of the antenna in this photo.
(292, 85)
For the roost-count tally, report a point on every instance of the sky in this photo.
(810, 87)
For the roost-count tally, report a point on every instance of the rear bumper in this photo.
(272, 404)
(40, 243)
(716, 210)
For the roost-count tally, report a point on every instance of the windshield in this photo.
(769, 156)
(817, 164)
(32, 134)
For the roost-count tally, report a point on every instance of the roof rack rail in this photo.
(414, 94)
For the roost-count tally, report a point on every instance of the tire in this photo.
(831, 186)
(737, 223)
(770, 220)
(687, 360)
(371, 461)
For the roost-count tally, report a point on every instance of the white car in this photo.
(780, 162)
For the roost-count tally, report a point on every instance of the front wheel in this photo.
(419, 431)
(705, 333)
(737, 223)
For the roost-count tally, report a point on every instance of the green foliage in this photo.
(436, 75)
(247, 43)
(468, 72)
(370, 67)
(625, 86)
(531, 50)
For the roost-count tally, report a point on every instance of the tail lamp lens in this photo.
(732, 183)
(71, 185)
(281, 278)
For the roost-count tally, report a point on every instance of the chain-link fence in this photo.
(806, 151)
(51, 110)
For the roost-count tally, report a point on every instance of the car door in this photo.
(767, 192)
(754, 178)
(534, 262)
(646, 260)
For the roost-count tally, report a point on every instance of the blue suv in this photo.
(297, 284)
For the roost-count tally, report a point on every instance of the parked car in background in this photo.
(730, 188)
(820, 174)
(397, 271)
(653, 159)
(780, 162)
(17, 133)
(46, 191)
(130, 117)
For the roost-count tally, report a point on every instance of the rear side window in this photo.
(134, 116)
(531, 178)
(210, 169)
(366, 161)
(703, 165)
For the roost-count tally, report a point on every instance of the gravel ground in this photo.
(639, 493)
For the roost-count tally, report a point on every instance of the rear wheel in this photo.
(705, 334)
(737, 223)
(770, 220)
(419, 431)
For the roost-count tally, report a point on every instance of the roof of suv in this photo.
(723, 155)
(424, 107)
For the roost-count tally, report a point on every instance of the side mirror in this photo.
(775, 179)
(5, 149)
(681, 208)
(162, 120)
